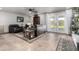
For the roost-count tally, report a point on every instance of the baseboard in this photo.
(4, 33)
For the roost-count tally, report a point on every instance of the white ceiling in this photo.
(24, 10)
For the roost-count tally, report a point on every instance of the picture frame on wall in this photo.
(20, 19)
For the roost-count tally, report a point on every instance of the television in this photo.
(20, 19)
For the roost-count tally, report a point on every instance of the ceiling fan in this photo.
(33, 10)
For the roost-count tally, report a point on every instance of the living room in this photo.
(36, 28)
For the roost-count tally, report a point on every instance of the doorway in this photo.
(55, 23)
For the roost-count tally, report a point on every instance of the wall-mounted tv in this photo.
(20, 19)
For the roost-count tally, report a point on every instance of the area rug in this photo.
(66, 44)
(20, 35)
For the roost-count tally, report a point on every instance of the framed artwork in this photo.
(20, 19)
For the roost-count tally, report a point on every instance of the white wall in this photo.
(11, 18)
(68, 20)
(42, 19)
(42, 26)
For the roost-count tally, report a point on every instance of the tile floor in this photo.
(48, 42)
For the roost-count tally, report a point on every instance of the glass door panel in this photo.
(60, 23)
(53, 24)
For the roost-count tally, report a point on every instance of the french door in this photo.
(56, 23)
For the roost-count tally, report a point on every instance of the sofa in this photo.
(15, 28)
